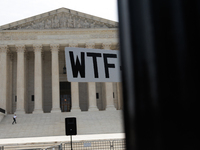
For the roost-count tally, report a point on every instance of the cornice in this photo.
(63, 34)
(50, 31)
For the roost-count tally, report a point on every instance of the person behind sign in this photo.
(14, 119)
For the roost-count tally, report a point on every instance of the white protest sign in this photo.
(92, 65)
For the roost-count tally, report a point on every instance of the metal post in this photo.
(71, 141)
(60, 146)
(159, 41)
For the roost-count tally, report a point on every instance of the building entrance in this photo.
(65, 96)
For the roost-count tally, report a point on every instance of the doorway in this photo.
(65, 96)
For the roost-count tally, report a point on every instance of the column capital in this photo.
(73, 44)
(37, 47)
(90, 45)
(20, 48)
(3, 48)
(107, 45)
(54, 47)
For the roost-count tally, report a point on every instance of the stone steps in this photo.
(53, 124)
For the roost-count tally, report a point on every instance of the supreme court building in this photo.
(32, 63)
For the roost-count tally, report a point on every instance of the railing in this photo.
(56, 147)
(22, 147)
(81, 145)
(33, 149)
(1, 148)
(95, 145)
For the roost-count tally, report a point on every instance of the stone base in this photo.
(93, 109)
(112, 107)
(37, 111)
(75, 110)
(56, 110)
(1, 116)
(19, 112)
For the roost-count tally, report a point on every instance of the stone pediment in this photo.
(60, 19)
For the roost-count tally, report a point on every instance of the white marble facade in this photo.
(32, 61)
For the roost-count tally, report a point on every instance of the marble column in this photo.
(74, 90)
(92, 96)
(3, 77)
(108, 86)
(55, 78)
(38, 79)
(119, 88)
(119, 92)
(91, 86)
(20, 79)
(75, 97)
(10, 82)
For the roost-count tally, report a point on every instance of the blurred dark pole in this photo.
(159, 41)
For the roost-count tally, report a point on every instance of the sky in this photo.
(14, 10)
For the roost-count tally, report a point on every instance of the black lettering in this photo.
(106, 65)
(94, 57)
(77, 66)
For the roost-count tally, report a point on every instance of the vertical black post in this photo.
(159, 42)
(71, 141)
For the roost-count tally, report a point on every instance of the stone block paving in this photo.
(53, 124)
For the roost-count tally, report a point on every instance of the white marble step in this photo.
(53, 124)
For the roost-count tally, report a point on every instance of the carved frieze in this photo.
(17, 36)
(62, 21)
(64, 34)
(6, 38)
(106, 35)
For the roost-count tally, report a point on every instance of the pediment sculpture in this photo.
(62, 21)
